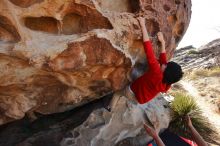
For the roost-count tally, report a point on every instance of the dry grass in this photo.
(215, 71)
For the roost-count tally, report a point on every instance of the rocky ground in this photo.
(202, 78)
(191, 58)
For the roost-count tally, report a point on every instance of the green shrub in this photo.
(183, 105)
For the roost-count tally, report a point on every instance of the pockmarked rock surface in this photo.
(59, 54)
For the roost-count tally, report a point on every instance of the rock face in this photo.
(125, 121)
(206, 56)
(59, 54)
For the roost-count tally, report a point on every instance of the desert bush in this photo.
(183, 105)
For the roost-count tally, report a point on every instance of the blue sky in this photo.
(205, 21)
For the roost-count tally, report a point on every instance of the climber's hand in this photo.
(160, 37)
(141, 21)
(143, 29)
(150, 131)
(188, 121)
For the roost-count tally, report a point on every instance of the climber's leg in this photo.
(128, 93)
(106, 101)
(115, 99)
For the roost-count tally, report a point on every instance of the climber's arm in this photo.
(153, 134)
(152, 61)
(143, 29)
(195, 135)
(162, 58)
(162, 41)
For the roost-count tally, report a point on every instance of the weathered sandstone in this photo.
(59, 54)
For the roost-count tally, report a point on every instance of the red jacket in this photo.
(150, 83)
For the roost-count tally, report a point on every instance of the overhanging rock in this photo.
(60, 54)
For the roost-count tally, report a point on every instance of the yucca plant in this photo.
(183, 105)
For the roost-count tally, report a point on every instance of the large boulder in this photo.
(59, 54)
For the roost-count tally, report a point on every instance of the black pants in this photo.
(171, 139)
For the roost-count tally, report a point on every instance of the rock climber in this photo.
(159, 76)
